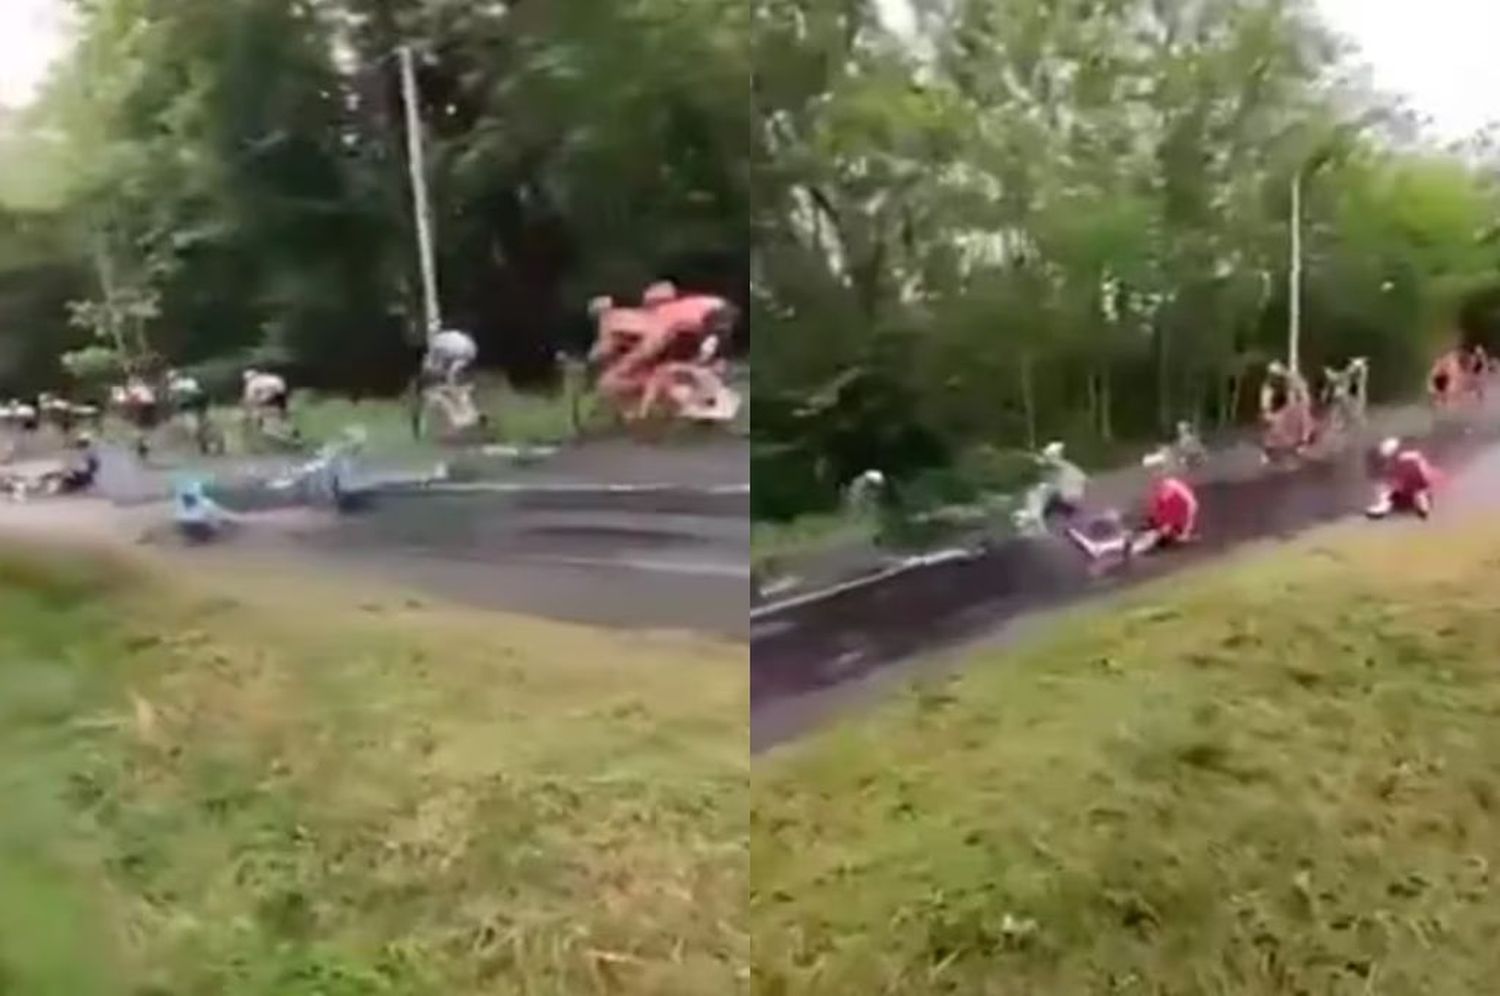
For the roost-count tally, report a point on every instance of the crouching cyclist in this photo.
(1171, 508)
(1170, 518)
(1407, 481)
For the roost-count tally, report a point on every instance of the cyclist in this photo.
(1408, 479)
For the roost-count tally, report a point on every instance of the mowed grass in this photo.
(773, 543)
(1277, 775)
(268, 785)
(516, 417)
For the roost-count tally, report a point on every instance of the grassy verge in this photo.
(1279, 777)
(771, 543)
(224, 792)
(515, 417)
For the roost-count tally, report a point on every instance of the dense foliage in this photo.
(216, 181)
(1013, 220)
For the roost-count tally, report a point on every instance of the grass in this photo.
(218, 791)
(1281, 775)
(773, 542)
(515, 417)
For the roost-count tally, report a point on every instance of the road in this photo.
(610, 533)
(814, 660)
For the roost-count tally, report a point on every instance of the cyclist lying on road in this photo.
(197, 516)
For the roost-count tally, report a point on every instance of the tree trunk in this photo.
(105, 269)
(1163, 371)
(1095, 417)
(1106, 406)
(1028, 401)
(1200, 400)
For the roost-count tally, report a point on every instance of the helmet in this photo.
(1053, 451)
(659, 292)
(1389, 446)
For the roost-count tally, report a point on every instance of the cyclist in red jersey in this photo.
(1407, 481)
(1171, 507)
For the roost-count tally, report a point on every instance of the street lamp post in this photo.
(1294, 279)
(1311, 162)
(416, 162)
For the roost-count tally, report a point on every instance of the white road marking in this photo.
(649, 566)
(934, 559)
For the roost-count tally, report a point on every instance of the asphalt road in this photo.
(612, 533)
(811, 661)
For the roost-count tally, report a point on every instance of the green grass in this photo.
(518, 418)
(1280, 775)
(773, 542)
(222, 792)
(515, 417)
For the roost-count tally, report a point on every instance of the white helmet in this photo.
(659, 292)
(1389, 446)
(1053, 451)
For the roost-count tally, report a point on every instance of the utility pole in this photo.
(416, 161)
(1294, 280)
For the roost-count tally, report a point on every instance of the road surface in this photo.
(812, 660)
(611, 533)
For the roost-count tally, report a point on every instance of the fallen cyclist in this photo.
(79, 472)
(73, 475)
(1059, 493)
(198, 517)
(1408, 480)
(1171, 517)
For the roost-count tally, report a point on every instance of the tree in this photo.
(1053, 199)
(240, 165)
